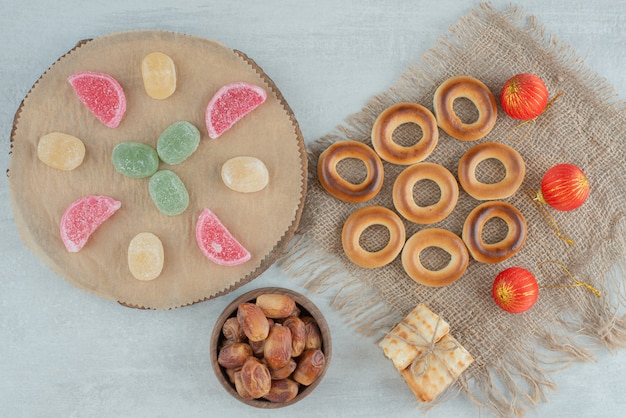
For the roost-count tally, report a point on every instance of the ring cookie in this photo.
(341, 188)
(403, 193)
(390, 119)
(503, 249)
(510, 159)
(476, 92)
(360, 220)
(440, 238)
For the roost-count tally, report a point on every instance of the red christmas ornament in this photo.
(524, 97)
(515, 290)
(564, 187)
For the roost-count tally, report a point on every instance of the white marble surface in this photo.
(66, 353)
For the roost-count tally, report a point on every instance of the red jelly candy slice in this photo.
(231, 103)
(83, 217)
(102, 95)
(217, 243)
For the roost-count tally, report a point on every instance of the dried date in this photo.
(277, 349)
(233, 356)
(232, 330)
(276, 305)
(282, 390)
(255, 378)
(313, 334)
(284, 372)
(257, 347)
(253, 321)
(239, 386)
(231, 374)
(309, 367)
(298, 334)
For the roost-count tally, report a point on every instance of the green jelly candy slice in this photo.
(134, 159)
(178, 142)
(168, 192)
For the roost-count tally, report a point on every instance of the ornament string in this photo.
(531, 122)
(551, 102)
(577, 282)
(421, 363)
(545, 214)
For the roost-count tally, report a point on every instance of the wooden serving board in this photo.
(264, 222)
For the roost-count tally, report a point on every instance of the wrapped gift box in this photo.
(426, 355)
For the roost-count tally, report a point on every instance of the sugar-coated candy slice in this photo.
(159, 75)
(83, 217)
(134, 159)
(231, 103)
(178, 142)
(217, 243)
(168, 192)
(145, 256)
(102, 95)
(61, 151)
(245, 174)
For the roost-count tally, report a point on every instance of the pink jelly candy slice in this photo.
(217, 243)
(102, 95)
(231, 103)
(83, 217)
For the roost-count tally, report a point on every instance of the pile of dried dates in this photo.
(271, 349)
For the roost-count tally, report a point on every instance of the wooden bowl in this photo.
(307, 308)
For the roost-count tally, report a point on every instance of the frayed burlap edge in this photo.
(513, 384)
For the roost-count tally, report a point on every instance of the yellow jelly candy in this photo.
(245, 174)
(159, 75)
(145, 256)
(61, 151)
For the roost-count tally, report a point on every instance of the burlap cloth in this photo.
(514, 354)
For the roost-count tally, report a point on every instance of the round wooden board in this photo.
(264, 222)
